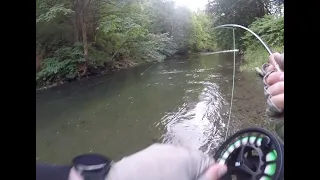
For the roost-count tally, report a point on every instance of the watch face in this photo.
(94, 160)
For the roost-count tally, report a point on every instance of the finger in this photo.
(278, 101)
(214, 172)
(273, 56)
(276, 59)
(277, 88)
(279, 59)
(270, 68)
(73, 175)
(275, 77)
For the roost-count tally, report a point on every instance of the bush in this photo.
(256, 57)
(271, 30)
(62, 64)
(153, 47)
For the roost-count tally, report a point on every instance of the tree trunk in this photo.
(75, 30)
(260, 9)
(39, 58)
(85, 41)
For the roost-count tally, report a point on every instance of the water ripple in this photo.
(199, 124)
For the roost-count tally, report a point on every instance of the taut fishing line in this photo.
(233, 26)
(233, 79)
(251, 153)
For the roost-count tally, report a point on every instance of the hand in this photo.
(276, 58)
(166, 162)
(275, 81)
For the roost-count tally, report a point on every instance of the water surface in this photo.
(182, 101)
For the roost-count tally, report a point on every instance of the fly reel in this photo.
(252, 154)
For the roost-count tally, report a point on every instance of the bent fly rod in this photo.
(233, 26)
(263, 43)
(233, 147)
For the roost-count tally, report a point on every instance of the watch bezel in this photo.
(90, 162)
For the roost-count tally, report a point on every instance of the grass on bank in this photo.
(256, 57)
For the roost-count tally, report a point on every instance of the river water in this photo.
(181, 101)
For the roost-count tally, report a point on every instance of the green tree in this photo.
(176, 21)
(201, 34)
(271, 29)
(111, 33)
(242, 12)
(81, 37)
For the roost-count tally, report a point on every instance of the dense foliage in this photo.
(271, 30)
(264, 17)
(242, 12)
(202, 33)
(81, 37)
(78, 38)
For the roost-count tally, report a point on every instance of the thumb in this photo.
(214, 172)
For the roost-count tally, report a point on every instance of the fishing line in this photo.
(242, 27)
(233, 26)
(262, 42)
(233, 79)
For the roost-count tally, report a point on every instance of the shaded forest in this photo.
(79, 38)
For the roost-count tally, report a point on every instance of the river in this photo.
(181, 101)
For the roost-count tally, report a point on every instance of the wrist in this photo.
(74, 175)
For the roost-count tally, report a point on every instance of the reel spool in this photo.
(252, 154)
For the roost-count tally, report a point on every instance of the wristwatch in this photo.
(92, 166)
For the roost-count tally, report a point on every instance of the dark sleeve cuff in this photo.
(52, 172)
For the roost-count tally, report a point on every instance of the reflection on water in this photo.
(182, 102)
(195, 124)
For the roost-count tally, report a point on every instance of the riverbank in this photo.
(92, 72)
(108, 69)
(255, 58)
(250, 59)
